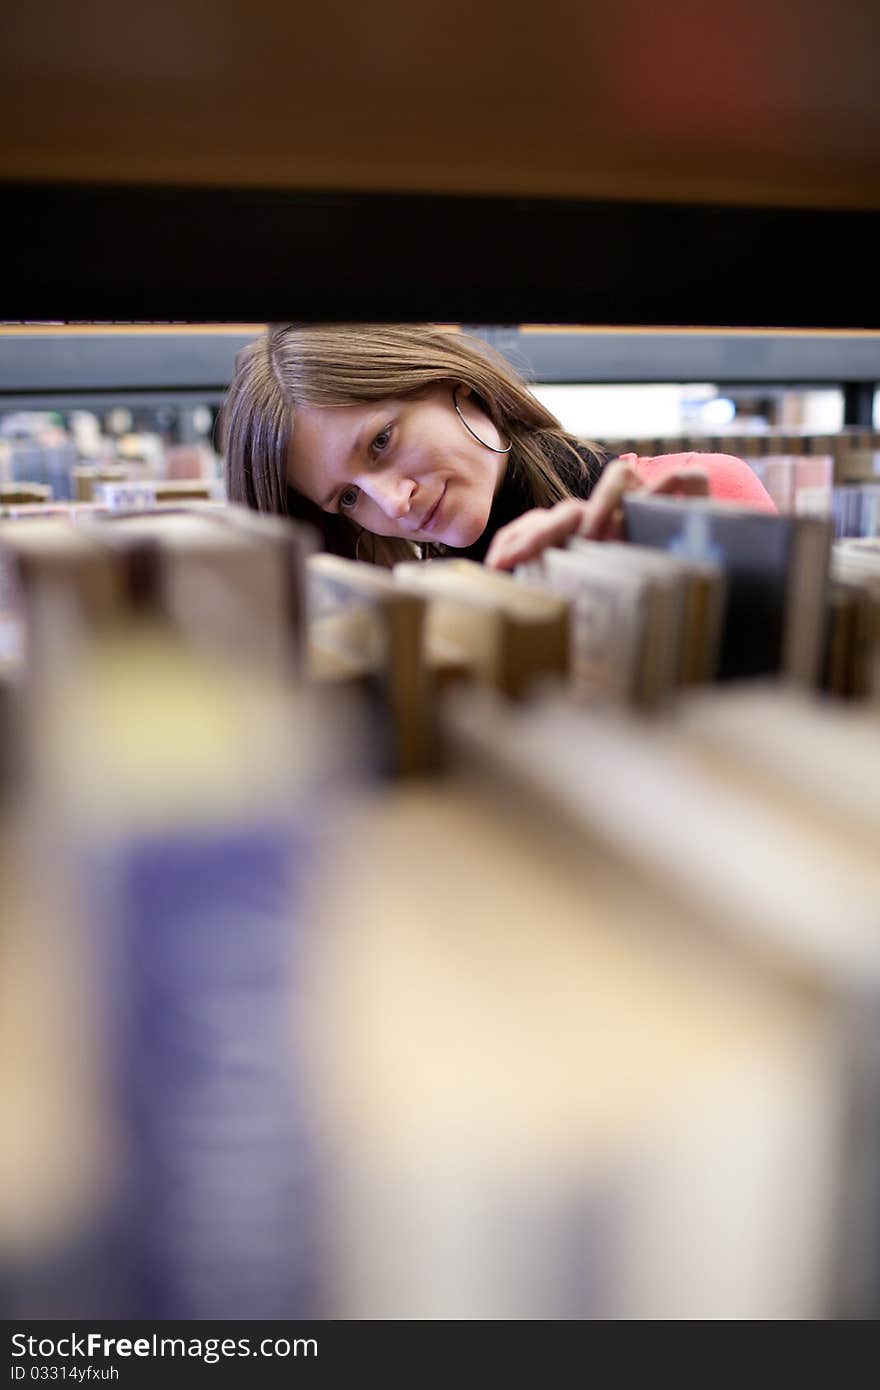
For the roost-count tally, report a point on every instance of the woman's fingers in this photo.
(601, 518)
(531, 533)
(683, 482)
(604, 519)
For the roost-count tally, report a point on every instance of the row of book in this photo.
(544, 1126)
(602, 1009)
(701, 592)
(805, 484)
(105, 490)
(837, 476)
(68, 463)
(849, 448)
(583, 1024)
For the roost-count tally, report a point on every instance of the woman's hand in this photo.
(599, 519)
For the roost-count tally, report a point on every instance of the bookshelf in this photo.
(658, 170)
(543, 171)
(67, 366)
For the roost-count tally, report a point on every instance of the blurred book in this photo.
(507, 632)
(866, 548)
(55, 584)
(797, 483)
(365, 630)
(675, 642)
(174, 808)
(616, 617)
(25, 511)
(759, 808)
(776, 570)
(554, 1090)
(857, 464)
(855, 510)
(15, 494)
(852, 635)
(85, 477)
(146, 494)
(190, 461)
(810, 765)
(228, 578)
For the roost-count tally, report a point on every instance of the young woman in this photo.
(397, 440)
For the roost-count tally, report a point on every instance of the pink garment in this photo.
(730, 479)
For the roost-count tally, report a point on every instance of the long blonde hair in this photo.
(294, 365)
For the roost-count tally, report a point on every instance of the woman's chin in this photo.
(463, 533)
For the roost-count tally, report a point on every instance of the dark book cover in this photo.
(777, 576)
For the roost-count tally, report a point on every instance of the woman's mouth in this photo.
(431, 521)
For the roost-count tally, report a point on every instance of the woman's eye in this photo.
(382, 440)
(348, 498)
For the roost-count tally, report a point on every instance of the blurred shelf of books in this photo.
(144, 398)
(430, 942)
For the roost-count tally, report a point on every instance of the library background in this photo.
(432, 942)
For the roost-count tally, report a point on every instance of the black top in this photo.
(515, 497)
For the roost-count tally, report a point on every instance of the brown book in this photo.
(86, 476)
(16, 494)
(853, 631)
(855, 564)
(555, 819)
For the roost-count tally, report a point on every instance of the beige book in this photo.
(614, 621)
(694, 594)
(854, 548)
(812, 764)
(798, 482)
(537, 1102)
(856, 464)
(149, 493)
(642, 787)
(28, 511)
(762, 812)
(54, 585)
(507, 632)
(365, 628)
(814, 754)
(230, 582)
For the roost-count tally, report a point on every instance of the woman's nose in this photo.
(393, 494)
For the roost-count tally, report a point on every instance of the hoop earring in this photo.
(493, 447)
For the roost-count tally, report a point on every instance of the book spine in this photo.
(216, 1212)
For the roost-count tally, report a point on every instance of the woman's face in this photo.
(405, 467)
